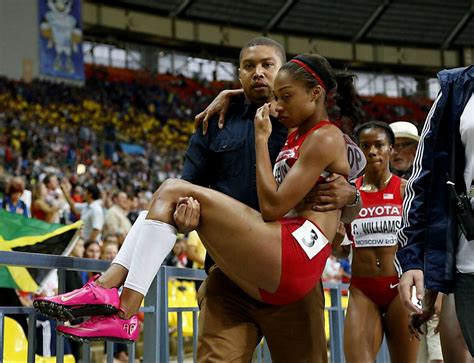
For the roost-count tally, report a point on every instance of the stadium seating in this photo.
(181, 294)
(15, 346)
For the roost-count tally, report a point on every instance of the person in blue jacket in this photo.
(434, 254)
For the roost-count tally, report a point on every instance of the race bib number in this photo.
(356, 158)
(310, 239)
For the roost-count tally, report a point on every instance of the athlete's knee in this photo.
(170, 187)
(168, 194)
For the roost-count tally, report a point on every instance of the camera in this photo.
(464, 212)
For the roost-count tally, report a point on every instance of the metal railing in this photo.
(156, 338)
(61, 263)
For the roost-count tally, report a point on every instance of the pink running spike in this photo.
(110, 327)
(89, 300)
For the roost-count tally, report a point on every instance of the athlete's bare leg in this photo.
(246, 248)
(453, 344)
(362, 345)
(234, 232)
(402, 347)
(114, 276)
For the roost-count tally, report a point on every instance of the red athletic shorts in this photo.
(381, 290)
(299, 273)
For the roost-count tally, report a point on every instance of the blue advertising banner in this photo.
(60, 39)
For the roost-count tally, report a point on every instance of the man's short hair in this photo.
(94, 190)
(267, 42)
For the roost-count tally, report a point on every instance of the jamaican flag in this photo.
(21, 234)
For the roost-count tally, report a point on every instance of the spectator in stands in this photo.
(404, 149)
(195, 250)
(110, 248)
(3, 182)
(40, 208)
(116, 221)
(11, 201)
(77, 194)
(133, 202)
(178, 257)
(56, 197)
(91, 212)
(91, 250)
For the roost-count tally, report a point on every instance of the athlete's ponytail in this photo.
(346, 98)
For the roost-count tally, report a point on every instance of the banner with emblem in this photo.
(21, 234)
(60, 39)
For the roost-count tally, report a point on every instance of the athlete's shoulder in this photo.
(328, 135)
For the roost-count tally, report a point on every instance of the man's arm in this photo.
(335, 193)
(94, 234)
(197, 160)
(218, 106)
(412, 234)
(97, 222)
(66, 190)
(197, 170)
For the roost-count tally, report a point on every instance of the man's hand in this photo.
(409, 279)
(186, 215)
(334, 193)
(339, 250)
(219, 106)
(65, 186)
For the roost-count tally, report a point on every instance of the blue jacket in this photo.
(429, 234)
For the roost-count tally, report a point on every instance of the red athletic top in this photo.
(290, 153)
(381, 216)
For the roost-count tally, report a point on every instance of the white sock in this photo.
(125, 253)
(155, 241)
